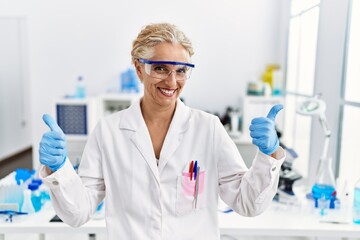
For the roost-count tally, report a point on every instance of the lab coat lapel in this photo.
(175, 134)
(134, 121)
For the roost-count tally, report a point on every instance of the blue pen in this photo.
(195, 170)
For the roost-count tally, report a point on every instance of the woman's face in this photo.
(163, 92)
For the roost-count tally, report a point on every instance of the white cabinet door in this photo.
(14, 97)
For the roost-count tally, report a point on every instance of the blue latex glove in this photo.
(263, 132)
(52, 149)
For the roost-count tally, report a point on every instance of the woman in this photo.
(160, 164)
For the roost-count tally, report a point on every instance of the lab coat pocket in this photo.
(186, 194)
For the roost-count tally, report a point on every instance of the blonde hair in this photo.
(154, 34)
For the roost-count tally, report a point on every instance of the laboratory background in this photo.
(71, 59)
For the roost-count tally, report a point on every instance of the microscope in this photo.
(288, 176)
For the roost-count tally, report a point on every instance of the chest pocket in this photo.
(190, 198)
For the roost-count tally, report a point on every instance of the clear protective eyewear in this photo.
(161, 69)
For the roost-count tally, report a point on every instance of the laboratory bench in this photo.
(279, 220)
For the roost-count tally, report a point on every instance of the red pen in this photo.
(191, 169)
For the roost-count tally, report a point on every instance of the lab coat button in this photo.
(273, 169)
(55, 183)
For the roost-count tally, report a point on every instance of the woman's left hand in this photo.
(263, 132)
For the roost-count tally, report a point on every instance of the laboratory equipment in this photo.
(10, 214)
(12, 187)
(226, 119)
(255, 88)
(129, 82)
(356, 207)
(111, 103)
(80, 88)
(324, 185)
(273, 77)
(288, 176)
(35, 196)
(38, 181)
(267, 76)
(234, 124)
(27, 205)
(77, 118)
(43, 189)
(183, 71)
(278, 83)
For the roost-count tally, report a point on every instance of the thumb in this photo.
(51, 123)
(274, 111)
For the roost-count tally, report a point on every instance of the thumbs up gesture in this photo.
(52, 150)
(263, 133)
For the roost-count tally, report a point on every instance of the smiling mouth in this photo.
(167, 92)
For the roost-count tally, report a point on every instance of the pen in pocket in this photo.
(197, 186)
(191, 169)
(195, 169)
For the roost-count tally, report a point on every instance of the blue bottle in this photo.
(129, 82)
(80, 88)
(35, 196)
(356, 207)
(44, 192)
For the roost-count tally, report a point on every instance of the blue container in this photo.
(38, 181)
(129, 81)
(328, 192)
(35, 196)
(356, 207)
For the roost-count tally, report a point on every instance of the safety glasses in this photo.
(163, 69)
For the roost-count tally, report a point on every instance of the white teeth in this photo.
(167, 92)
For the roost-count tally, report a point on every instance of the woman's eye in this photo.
(160, 69)
(181, 70)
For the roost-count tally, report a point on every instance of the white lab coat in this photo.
(146, 201)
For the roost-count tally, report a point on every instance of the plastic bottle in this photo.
(80, 88)
(278, 82)
(129, 82)
(324, 187)
(44, 193)
(268, 76)
(356, 207)
(35, 196)
(345, 202)
(27, 205)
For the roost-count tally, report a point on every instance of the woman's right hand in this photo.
(52, 150)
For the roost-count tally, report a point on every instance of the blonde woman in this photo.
(161, 164)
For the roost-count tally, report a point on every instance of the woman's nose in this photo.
(172, 76)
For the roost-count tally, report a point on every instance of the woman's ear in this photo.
(138, 70)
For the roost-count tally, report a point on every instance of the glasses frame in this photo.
(146, 61)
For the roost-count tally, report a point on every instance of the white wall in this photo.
(233, 41)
